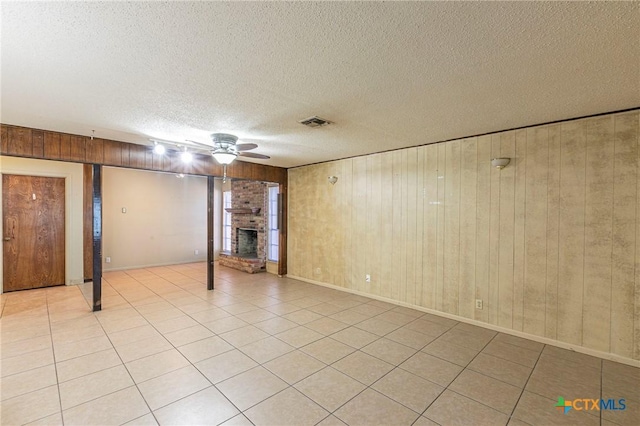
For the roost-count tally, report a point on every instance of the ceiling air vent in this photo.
(314, 121)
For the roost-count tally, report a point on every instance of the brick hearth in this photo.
(250, 265)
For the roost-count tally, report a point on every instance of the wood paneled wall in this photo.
(34, 143)
(550, 243)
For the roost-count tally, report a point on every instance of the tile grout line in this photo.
(454, 379)
(245, 298)
(190, 363)
(300, 348)
(128, 372)
(55, 365)
(524, 387)
(263, 365)
(133, 307)
(380, 378)
(133, 380)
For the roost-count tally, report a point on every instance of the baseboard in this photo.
(155, 265)
(576, 348)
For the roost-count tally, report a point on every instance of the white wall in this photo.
(165, 219)
(72, 173)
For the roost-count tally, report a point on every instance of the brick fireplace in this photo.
(248, 227)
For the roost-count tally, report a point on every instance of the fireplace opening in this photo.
(247, 242)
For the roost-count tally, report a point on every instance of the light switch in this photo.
(124, 210)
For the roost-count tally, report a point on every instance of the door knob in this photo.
(7, 238)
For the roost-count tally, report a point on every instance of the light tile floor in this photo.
(266, 350)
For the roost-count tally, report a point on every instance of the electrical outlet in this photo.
(367, 278)
(196, 252)
(318, 271)
(478, 303)
(107, 259)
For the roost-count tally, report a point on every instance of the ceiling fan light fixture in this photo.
(224, 157)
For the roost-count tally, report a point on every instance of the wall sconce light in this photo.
(500, 163)
(333, 179)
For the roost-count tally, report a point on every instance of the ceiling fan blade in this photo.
(253, 155)
(246, 146)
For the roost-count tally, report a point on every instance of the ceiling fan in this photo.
(226, 149)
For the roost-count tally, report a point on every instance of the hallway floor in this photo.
(275, 351)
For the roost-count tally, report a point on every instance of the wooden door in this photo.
(33, 218)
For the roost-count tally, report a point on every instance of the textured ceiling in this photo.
(389, 75)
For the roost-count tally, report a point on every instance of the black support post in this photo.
(210, 207)
(97, 237)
